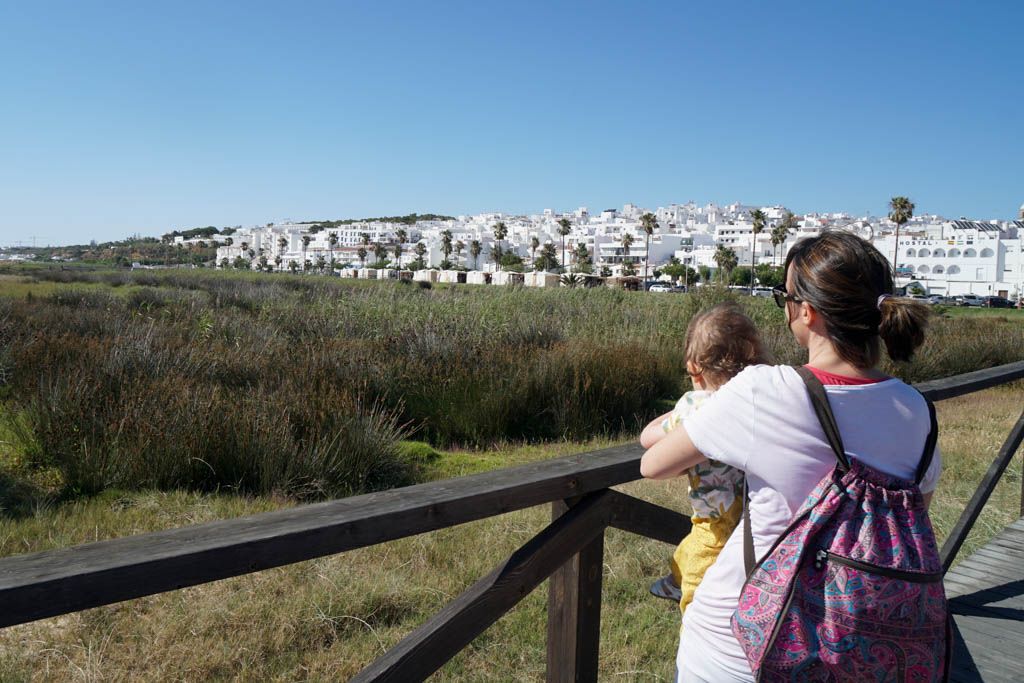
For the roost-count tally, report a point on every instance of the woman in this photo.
(838, 306)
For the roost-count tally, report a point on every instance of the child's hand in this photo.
(654, 432)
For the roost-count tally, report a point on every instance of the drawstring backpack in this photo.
(852, 590)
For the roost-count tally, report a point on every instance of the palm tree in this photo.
(282, 244)
(534, 245)
(421, 250)
(332, 239)
(362, 254)
(321, 263)
(263, 261)
(500, 231)
(459, 246)
(648, 223)
(474, 249)
(446, 245)
(627, 242)
(581, 256)
(293, 266)
(781, 232)
(380, 251)
(400, 237)
(564, 228)
(758, 218)
(277, 261)
(901, 210)
(726, 260)
(364, 239)
(306, 239)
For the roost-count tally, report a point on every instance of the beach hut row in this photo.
(477, 277)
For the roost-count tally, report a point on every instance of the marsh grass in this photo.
(328, 618)
(303, 385)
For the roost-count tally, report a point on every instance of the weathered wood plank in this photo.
(990, 625)
(427, 648)
(969, 382)
(995, 570)
(990, 556)
(958, 534)
(67, 580)
(971, 664)
(982, 594)
(993, 658)
(647, 519)
(574, 611)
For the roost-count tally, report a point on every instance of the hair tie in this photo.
(881, 299)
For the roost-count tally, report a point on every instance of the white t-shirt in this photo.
(762, 422)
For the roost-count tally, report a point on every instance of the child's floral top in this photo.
(716, 490)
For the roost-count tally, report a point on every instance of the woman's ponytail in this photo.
(903, 325)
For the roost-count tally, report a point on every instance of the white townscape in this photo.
(944, 256)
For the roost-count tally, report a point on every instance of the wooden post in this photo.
(574, 612)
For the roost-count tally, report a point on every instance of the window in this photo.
(939, 270)
(923, 253)
(940, 253)
(970, 253)
(953, 270)
(923, 269)
(953, 253)
(911, 252)
(986, 252)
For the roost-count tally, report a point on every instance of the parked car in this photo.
(935, 299)
(996, 302)
(969, 300)
(660, 287)
(765, 292)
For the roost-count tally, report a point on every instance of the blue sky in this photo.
(124, 117)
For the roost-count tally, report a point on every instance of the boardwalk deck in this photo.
(986, 594)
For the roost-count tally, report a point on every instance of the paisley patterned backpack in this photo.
(852, 590)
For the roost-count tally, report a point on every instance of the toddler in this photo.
(719, 343)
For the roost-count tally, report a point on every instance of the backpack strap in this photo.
(929, 444)
(819, 400)
(749, 558)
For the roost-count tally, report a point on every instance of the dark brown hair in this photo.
(721, 341)
(843, 277)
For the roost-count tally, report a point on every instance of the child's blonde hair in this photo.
(721, 341)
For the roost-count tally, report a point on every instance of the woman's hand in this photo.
(672, 455)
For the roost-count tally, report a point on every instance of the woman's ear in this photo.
(808, 314)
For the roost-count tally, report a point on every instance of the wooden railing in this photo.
(568, 551)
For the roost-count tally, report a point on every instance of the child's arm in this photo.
(654, 432)
(671, 456)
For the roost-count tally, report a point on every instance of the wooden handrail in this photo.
(969, 382)
(53, 582)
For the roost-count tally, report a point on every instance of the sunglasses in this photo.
(781, 296)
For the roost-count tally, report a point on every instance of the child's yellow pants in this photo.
(698, 551)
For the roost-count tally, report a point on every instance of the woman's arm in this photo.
(672, 455)
(653, 432)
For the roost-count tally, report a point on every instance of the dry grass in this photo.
(326, 619)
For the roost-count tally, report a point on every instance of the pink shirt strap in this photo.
(830, 379)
